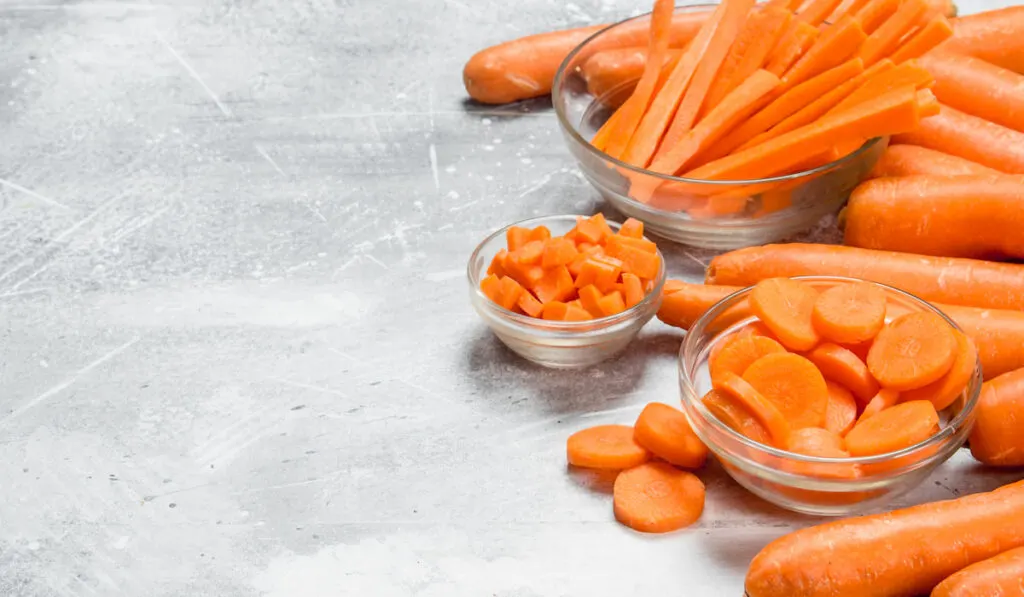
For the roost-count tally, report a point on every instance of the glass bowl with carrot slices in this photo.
(741, 124)
(828, 395)
(567, 291)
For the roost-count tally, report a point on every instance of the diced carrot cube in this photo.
(497, 266)
(632, 228)
(583, 255)
(612, 303)
(585, 246)
(554, 310)
(575, 303)
(556, 285)
(614, 244)
(609, 276)
(574, 313)
(558, 251)
(593, 229)
(530, 305)
(516, 237)
(540, 233)
(491, 287)
(632, 289)
(589, 299)
(524, 273)
(641, 263)
(530, 253)
(589, 272)
(510, 293)
(571, 235)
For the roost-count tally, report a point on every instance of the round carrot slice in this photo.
(841, 412)
(912, 351)
(850, 313)
(885, 398)
(843, 367)
(786, 306)
(763, 409)
(815, 441)
(740, 352)
(657, 498)
(728, 411)
(893, 429)
(605, 446)
(666, 433)
(794, 385)
(942, 393)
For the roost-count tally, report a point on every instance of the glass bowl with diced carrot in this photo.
(749, 122)
(567, 291)
(828, 395)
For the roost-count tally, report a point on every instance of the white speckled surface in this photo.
(236, 353)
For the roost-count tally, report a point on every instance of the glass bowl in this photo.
(711, 214)
(814, 485)
(557, 344)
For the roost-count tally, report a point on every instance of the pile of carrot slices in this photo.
(588, 273)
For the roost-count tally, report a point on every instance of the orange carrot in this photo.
(611, 303)
(850, 313)
(945, 8)
(816, 11)
(632, 289)
(995, 36)
(924, 40)
(912, 351)
(907, 551)
(996, 439)
(884, 40)
(883, 81)
(978, 88)
(815, 441)
(530, 305)
(785, 306)
(794, 385)
(766, 411)
(657, 498)
(950, 386)
(740, 352)
(791, 47)
(997, 335)
(842, 366)
(605, 446)
(836, 45)
(892, 429)
(632, 228)
(841, 412)
(875, 13)
(686, 305)
(998, 575)
(971, 138)
(908, 160)
(884, 399)
(665, 432)
(736, 416)
(604, 134)
(610, 71)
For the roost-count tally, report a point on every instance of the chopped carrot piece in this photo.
(599, 272)
(816, 11)
(585, 253)
(850, 313)
(611, 303)
(571, 235)
(766, 411)
(527, 275)
(893, 429)
(632, 228)
(605, 446)
(632, 289)
(945, 391)
(884, 79)
(510, 292)
(491, 287)
(576, 313)
(886, 38)
(616, 242)
(540, 233)
(838, 43)
(735, 415)
(791, 47)
(739, 352)
(558, 251)
(845, 368)
(516, 237)
(589, 297)
(497, 266)
(576, 303)
(884, 399)
(656, 497)
(815, 441)
(637, 261)
(556, 285)
(785, 306)
(593, 229)
(554, 311)
(794, 385)
(530, 305)
(875, 13)
(935, 32)
(841, 412)
(666, 433)
(912, 351)
(530, 253)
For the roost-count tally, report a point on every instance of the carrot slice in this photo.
(836, 45)
(920, 43)
(875, 13)
(740, 352)
(763, 409)
(785, 306)
(912, 351)
(575, 312)
(844, 367)
(893, 429)
(884, 399)
(945, 391)
(530, 305)
(632, 289)
(665, 432)
(850, 313)
(841, 412)
(558, 251)
(791, 47)
(632, 228)
(794, 385)
(657, 498)
(605, 446)
(815, 441)
(884, 40)
(733, 414)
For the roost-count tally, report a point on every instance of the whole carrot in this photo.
(995, 36)
(997, 576)
(605, 71)
(996, 439)
(908, 160)
(896, 554)
(971, 138)
(976, 87)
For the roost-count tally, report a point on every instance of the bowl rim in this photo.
(556, 100)
(551, 326)
(948, 431)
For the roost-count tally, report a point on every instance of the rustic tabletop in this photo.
(237, 354)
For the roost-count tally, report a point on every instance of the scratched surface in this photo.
(237, 355)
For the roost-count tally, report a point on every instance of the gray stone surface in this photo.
(236, 353)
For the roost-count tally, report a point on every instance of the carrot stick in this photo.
(998, 575)
(604, 134)
(884, 40)
(784, 4)
(606, 71)
(816, 11)
(971, 138)
(657, 498)
(791, 47)
(850, 313)
(885, 80)
(841, 412)
(950, 386)
(847, 8)
(946, 8)
(976, 87)
(996, 439)
(666, 433)
(736, 416)
(910, 160)
(912, 351)
(836, 45)
(995, 36)
(794, 385)
(893, 428)
(907, 551)
(875, 13)
(965, 216)
(605, 446)
(922, 41)
(765, 410)
(884, 399)
(844, 367)
(785, 306)
(740, 352)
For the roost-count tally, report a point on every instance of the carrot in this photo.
(766, 411)
(785, 306)
(611, 303)
(996, 439)
(686, 305)
(883, 81)
(665, 432)
(892, 429)
(924, 40)
(995, 36)
(908, 160)
(998, 575)
(841, 412)
(632, 289)
(884, 399)
(836, 45)
(657, 498)
(530, 305)
(946, 8)
(893, 554)
(609, 71)
(815, 441)
(816, 11)
(971, 138)
(978, 88)
(844, 367)
(884, 40)
(794, 385)
(912, 351)
(950, 386)
(850, 313)
(740, 352)
(791, 47)
(998, 336)
(605, 446)
(946, 280)
(965, 216)
(736, 416)
(632, 228)
(875, 13)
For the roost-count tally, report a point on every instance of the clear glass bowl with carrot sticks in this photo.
(828, 395)
(566, 291)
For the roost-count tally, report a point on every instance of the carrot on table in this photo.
(794, 385)
(995, 36)
(912, 351)
(657, 498)
(605, 446)
(791, 47)
(876, 12)
(608, 71)
(971, 138)
(884, 399)
(996, 576)
(978, 88)
(996, 438)
(735, 415)
(850, 313)
(910, 160)
(739, 352)
(835, 46)
(841, 412)
(950, 386)
(884, 40)
(997, 335)
(924, 40)
(665, 432)
(892, 429)
(786, 307)
(765, 410)
(841, 365)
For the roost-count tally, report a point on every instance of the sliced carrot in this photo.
(526, 274)
(576, 312)
(739, 352)
(885, 398)
(491, 287)
(816, 11)
(632, 228)
(763, 409)
(554, 311)
(815, 441)
(497, 266)
(636, 261)
(605, 446)
(510, 290)
(657, 498)
(556, 285)
(785, 306)
(850, 313)
(735, 415)
(881, 43)
(558, 251)
(530, 253)
(886, 80)
(632, 289)
(836, 45)
(589, 299)
(794, 385)
(593, 229)
(611, 304)
(665, 432)
(791, 47)
(586, 252)
(599, 272)
(893, 429)
(875, 13)
(516, 236)
(950, 386)
(614, 244)
(843, 367)
(925, 39)
(912, 351)
(540, 233)
(530, 305)
(841, 412)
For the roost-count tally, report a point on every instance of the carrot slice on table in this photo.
(996, 438)
(886, 38)
(763, 409)
(841, 412)
(875, 13)
(815, 441)
(666, 433)
(998, 575)
(911, 160)
(850, 313)
(794, 385)
(924, 40)
(740, 352)
(971, 138)
(605, 446)
(884, 399)
(791, 47)
(785, 306)
(945, 391)
(843, 367)
(836, 45)
(736, 416)
(657, 498)
(893, 429)
(816, 11)
(978, 88)
(912, 351)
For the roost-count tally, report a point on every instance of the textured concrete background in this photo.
(236, 353)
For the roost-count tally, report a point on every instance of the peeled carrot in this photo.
(892, 429)
(1001, 575)
(844, 367)
(850, 313)
(794, 385)
(841, 412)
(791, 47)
(740, 352)
(997, 335)
(924, 40)
(894, 554)
(688, 303)
(666, 433)
(765, 410)
(995, 36)
(996, 438)
(950, 386)
(885, 80)
(909, 160)
(605, 446)
(976, 87)
(884, 399)
(971, 138)
(657, 498)
(815, 441)
(736, 416)
(836, 45)
(885, 39)
(816, 11)
(875, 13)
(912, 351)
(610, 70)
